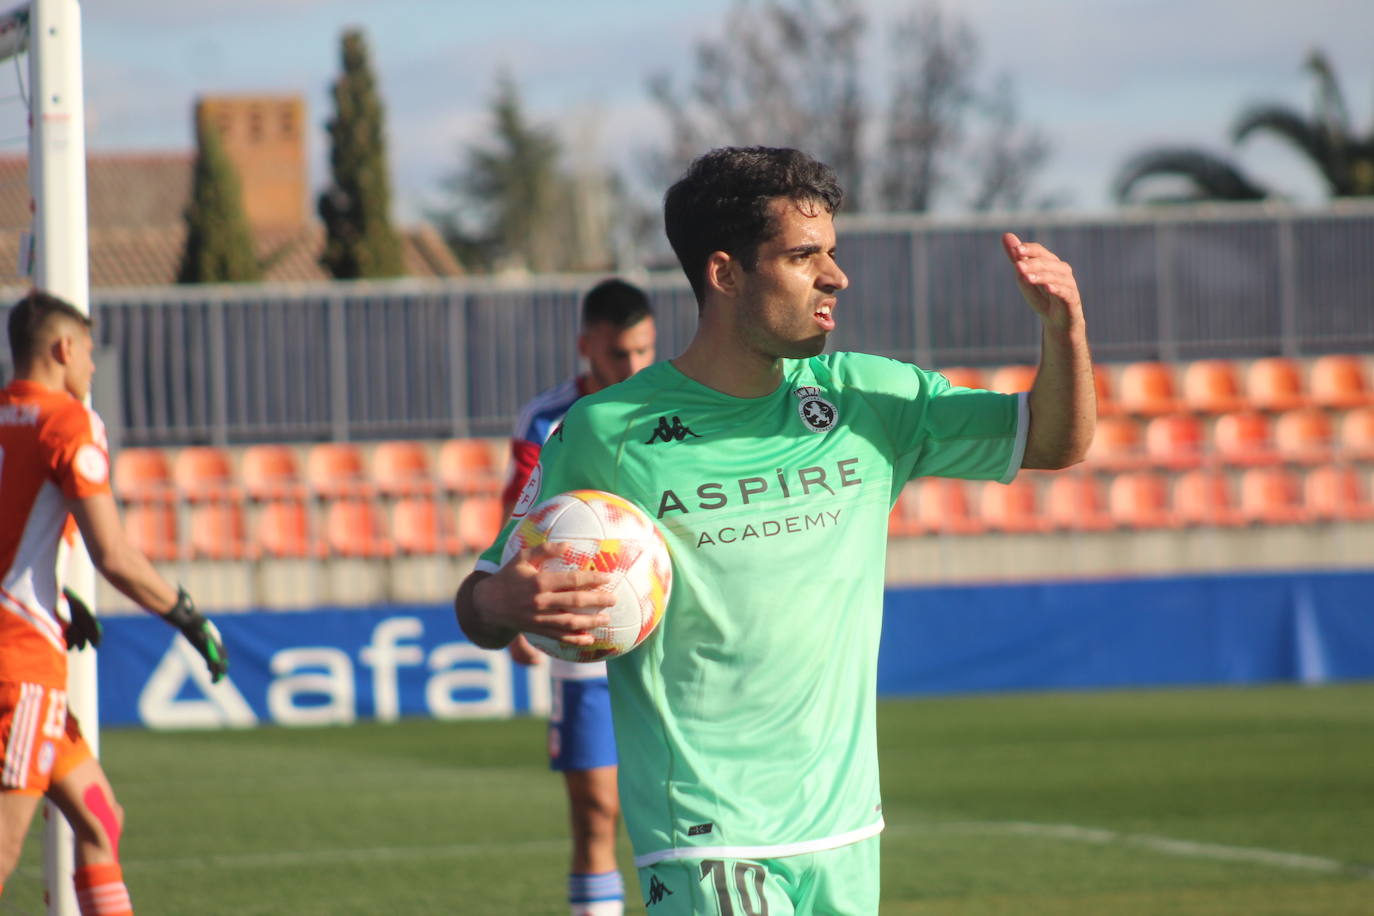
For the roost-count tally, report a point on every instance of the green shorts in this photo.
(835, 882)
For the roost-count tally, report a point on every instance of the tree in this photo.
(359, 239)
(1326, 138)
(513, 205)
(788, 73)
(219, 244)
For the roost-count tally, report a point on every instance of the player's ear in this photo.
(722, 273)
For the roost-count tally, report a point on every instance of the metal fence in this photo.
(351, 361)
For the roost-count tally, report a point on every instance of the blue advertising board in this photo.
(336, 666)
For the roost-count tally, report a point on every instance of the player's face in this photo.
(614, 354)
(786, 300)
(80, 366)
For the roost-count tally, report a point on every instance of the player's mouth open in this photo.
(824, 318)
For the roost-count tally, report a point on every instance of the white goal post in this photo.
(50, 30)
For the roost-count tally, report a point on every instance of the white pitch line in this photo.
(1190, 849)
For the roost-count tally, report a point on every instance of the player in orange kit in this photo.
(55, 467)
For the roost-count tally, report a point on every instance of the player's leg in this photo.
(582, 747)
(83, 794)
(26, 760)
(16, 813)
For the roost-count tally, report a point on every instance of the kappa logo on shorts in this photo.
(816, 412)
(657, 891)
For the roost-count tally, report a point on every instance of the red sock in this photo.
(100, 891)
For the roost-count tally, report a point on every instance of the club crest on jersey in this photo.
(816, 412)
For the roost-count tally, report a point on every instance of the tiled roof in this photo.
(136, 231)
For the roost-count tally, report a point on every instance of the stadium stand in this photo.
(1274, 383)
(1335, 493)
(1244, 438)
(1013, 508)
(1118, 445)
(1338, 381)
(943, 507)
(1357, 434)
(964, 376)
(335, 470)
(271, 472)
(1140, 499)
(1271, 496)
(152, 528)
(283, 530)
(1203, 497)
(468, 466)
(1212, 386)
(420, 525)
(1175, 441)
(479, 520)
(355, 527)
(203, 473)
(1012, 379)
(1148, 389)
(402, 469)
(142, 475)
(1304, 435)
(219, 531)
(1107, 405)
(1077, 502)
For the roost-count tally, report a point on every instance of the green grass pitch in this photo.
(1136, 803)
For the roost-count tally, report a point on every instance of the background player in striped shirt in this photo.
(55, 467)
(616, 340)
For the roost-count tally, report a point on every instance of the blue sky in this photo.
(1102, 78)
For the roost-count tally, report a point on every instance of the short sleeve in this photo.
(73, 440)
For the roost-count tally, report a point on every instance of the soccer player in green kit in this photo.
(745, 723)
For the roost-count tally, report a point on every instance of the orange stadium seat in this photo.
(1204, 497)
(419, 525)
(271, 472)
(335, 470)
(1339, 381)
(1336, 493)
(1147, 388)
(1118, 444)
(479, 521)
(1212, 386)
(1076, 502)
(220, 532)
(152, 529)
(356, 528)
(1357, 434)
(142, 475)
(1304, 436)
(283, 530)
(964, 376)
(1107, 405)
(1272, 496)
(468, 466)
(1274, 383)
(204, 472)
(943, 507)
(1175, 441)
(1013, 508)
(402, 469)
(1012, 379)
(1244, 438)
(1140, 499)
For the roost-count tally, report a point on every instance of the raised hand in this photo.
(1046, 282)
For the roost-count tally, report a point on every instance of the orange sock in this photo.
(100, 891)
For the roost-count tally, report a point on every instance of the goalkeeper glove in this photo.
(83, 629)
(200, 633)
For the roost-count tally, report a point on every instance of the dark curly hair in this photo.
(722, 203)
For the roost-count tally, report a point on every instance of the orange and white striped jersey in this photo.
(52, 448)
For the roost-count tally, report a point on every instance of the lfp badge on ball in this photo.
(605, 533)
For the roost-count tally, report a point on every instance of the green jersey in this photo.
(745, 723)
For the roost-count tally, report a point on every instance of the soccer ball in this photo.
(608, 534)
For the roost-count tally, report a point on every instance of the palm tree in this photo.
(1345, 160)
